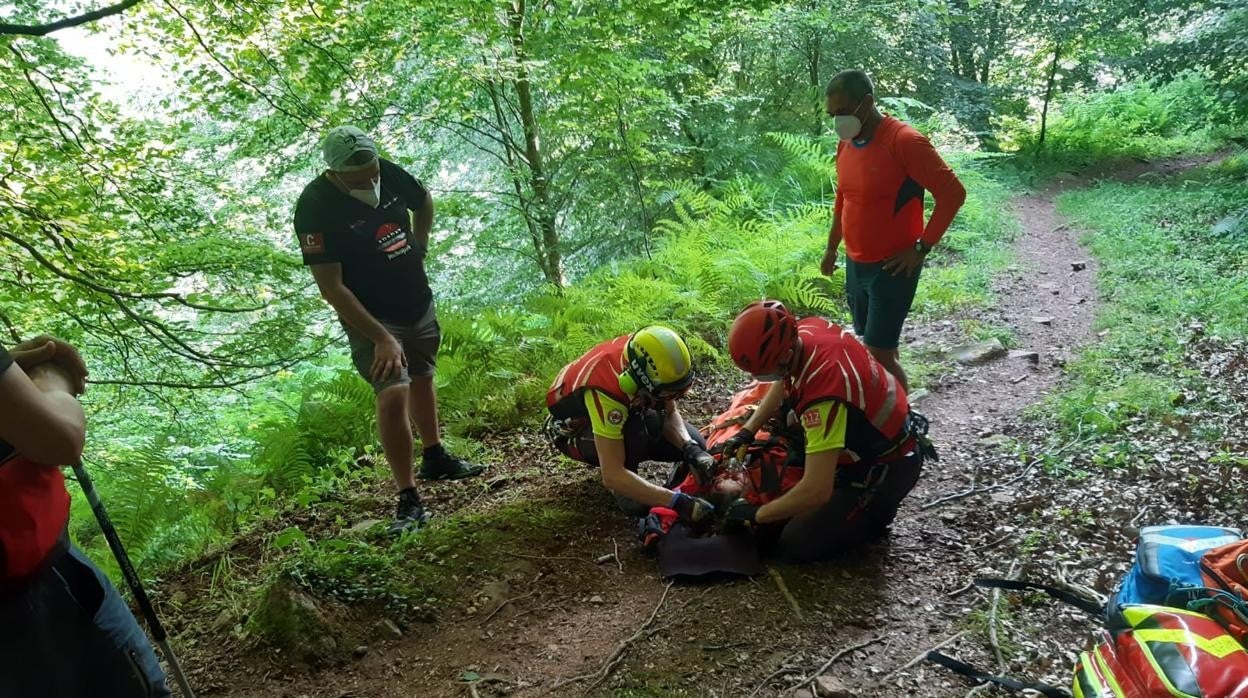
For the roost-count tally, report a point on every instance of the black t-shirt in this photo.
(381, 264)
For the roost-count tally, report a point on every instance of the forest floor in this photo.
(530, 611)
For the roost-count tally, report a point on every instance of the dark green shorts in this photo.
(879, 302)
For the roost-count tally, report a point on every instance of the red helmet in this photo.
(761, 336)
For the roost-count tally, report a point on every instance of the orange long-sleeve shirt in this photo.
(879, 193)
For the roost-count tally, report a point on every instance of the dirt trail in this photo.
(565, 616)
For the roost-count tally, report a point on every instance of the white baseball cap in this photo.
(348, 149)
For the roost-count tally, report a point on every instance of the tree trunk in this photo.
(513, 173)
(646, 223)
(961, 41)
(544, 214)
(812, 62)
(1048, 95)
(991, 43)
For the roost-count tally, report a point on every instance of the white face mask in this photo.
(848, 125)
(370, 197)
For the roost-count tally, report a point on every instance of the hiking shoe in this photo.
(410, 514)
(444, 466)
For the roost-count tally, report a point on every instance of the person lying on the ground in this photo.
(759, 473)
(66, 631)
(864, 447)
(615, 407)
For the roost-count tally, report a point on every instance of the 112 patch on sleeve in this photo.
(812, 418)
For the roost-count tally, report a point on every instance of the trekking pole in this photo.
(132, 578)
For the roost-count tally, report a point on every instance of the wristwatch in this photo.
(922, 247)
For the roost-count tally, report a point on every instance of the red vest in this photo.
(598, 369)
(34, 507)
(836, 366)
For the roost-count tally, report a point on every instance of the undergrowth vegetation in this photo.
(1174, 282)
(303, 434)
(300, 439)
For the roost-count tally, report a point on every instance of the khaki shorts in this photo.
(420, 345)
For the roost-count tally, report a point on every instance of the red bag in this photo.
(1163, 653)
(1225, 572)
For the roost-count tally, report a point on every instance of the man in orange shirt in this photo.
(883, 167)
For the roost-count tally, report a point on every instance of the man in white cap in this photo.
(363, 228)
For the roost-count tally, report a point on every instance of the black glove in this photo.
(700, 462)
(741, 514)
(745, 437)
(692, 509)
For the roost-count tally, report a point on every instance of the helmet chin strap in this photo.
(795, 355)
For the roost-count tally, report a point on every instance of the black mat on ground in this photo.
(684, 556)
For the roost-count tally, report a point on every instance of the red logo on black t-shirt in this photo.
(392, 240)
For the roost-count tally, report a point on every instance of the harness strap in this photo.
(913, 434)
(980, 677)
(1075, 600)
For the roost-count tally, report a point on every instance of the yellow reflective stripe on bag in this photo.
(1107, 673)
(1219, 647)
(1088, 682)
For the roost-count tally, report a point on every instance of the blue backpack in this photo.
(1167, 565)
(1166, 573)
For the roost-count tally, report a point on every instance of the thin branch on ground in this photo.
(923, 655)
(1031, 464)
(788, 596)
(960, 590)
(503, 604)
(1087, 592)
(617, 655)
(981, 490)
(841, 653)
(611, 556)
(782, 670)
(995, 543)
(992, 620)
(965, 493)
(729, 646)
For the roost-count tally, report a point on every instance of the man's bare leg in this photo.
(423, 410)
(890, 360)
(396, 433)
